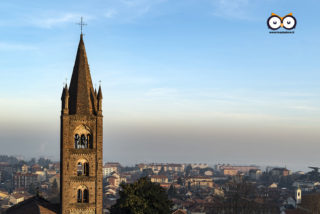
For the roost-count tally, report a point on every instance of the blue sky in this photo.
(171, 70)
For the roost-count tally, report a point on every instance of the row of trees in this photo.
(18, 163)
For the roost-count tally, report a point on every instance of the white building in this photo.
(109, 168)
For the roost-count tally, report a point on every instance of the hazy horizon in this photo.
(187, 81)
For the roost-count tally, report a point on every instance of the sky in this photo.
(186, 81)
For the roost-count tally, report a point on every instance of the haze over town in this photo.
(183, 81)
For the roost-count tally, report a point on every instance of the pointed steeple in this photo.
(100, 93)
(81, 91)
(99, 101)
(65, 100)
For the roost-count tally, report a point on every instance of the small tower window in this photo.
(82, 138)
(83, 168)
(83, 141)
(76, 141)
(79, 196)
(83, 195)
(80, 169)
(86, 169)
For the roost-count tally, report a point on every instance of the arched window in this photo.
(83, 141)
(85, 196)
(79, 196)
(82, 168)
(86, 169)
(76, 141)
(82, 137)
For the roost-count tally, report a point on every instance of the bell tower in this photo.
(81, 141)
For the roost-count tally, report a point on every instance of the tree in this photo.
(172, 192)
(142, 197)
(31, 161)
(44, 162)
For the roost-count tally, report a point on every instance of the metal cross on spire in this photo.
(81, 23)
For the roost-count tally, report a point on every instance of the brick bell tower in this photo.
(81, 141)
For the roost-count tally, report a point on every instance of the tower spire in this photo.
(81, 91)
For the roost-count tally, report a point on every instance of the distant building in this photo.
(230, 171)
(36, 167)
(306, 186)
(16, 198)
(280, 172)
(243, 169)
(255, 174)
(159, 179)
(115, 179)
(24, 180)
(109, 168)
(209, 172)
(25, 168)
(199, 165)
(199, 182)
(157, 167)
(51, 173)
(4, 195)
(42, 176)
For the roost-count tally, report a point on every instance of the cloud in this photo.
(49, 22)
(236, 9)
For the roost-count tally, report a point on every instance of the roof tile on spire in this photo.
(100, 93)
(81, 91)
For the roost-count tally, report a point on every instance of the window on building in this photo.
(86, 169)
(83, 141)
(79, 196)
(83, 195)
(83, 168)
(76, 141)
(82, 137)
